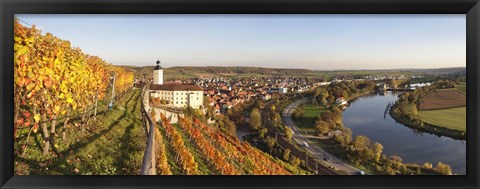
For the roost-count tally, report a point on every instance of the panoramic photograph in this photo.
(227, 94)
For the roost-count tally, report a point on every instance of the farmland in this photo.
(445, 108)
(462, 86)
(441, 99)
(452, 118)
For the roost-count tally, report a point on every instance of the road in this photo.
(312, 148)
(312, 162)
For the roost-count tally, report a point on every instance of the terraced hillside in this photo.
(194, 148)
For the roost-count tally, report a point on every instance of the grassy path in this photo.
(112, 145)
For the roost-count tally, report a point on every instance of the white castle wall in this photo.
(171, 116)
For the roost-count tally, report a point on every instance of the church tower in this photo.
(158, 74)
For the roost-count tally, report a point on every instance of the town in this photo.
(223, 93)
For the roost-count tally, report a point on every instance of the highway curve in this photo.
(312, 162)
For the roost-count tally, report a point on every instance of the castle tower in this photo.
(158, 74)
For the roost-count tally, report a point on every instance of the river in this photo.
(367, 116)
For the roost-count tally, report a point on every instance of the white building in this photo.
(158, 74)
(278, 90)
(175, 95)
(341, 101)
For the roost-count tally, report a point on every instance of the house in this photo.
(278, 90)
(266, 97)
(341, 101)
(382, 87)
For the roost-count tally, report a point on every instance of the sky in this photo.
(315, 41)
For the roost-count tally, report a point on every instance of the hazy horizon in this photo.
(314, 42)
(309, 69)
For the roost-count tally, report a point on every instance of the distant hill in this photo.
(239, 71)
(440, 71)
(208, 71)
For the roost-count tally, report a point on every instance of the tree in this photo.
(362, 147)
(321, 127)
(377, 150)
(295, 161)
(361, 142)
(298, 113)
(273, 108)
(236, 114)
(330, 99)
(396, 161)
(270, 141)
(403, 169)
(286, 155)
(262, 132)
(276, 119)
(337, 116)
(412, 98)
(258, 104)
(395, 83)
(389, 171)
(328, 115)
(345, 137)
(288, 133)
(444, 168)
(255, 119)
(427, 165)
(414, 111)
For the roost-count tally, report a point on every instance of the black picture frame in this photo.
(10, 7)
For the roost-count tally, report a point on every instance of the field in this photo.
(442, 99)
(308, 119)
(462, 86)
(452, 118)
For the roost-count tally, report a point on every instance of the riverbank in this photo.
(415, 123)
(358, 95)
(385, 165)
(345, 149)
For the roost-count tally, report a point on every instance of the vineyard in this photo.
(193, 148)
(60, 91)
(64, 123)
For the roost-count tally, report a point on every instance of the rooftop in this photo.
(175, 87)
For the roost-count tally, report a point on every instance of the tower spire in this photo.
(158, 74)
(158, 67)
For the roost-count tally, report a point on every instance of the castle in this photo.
(175, 95)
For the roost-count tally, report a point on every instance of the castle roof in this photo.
(158, 67)
(175, 87)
